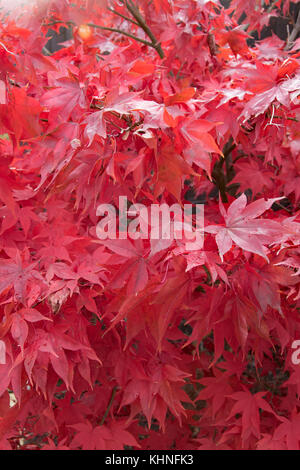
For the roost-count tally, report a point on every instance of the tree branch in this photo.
(138, 21)
(93, 25)
(123, 16)
(113, 393)
(294, 33)
(142, 23)
(115, 30)
(71, 23)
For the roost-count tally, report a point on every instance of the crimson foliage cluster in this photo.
(143, 344)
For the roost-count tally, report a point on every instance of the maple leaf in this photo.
(248, 406)
(95, 125)
(18, 273)
(135, 268)
(263, 280)
(6, 193)
(45, 346)
(209, 259)
(89, 437)
(208, 444)
(22, 120)
(145, 109)
(216, 389)
(157, 392)
(63, 99)
(267, 442)
(102, 437)
(165, 303)
(291, 178)
(244, 229)
(236, 38)
(197, 132)
(53, 446)
(123, 104)
(171, 168)
(270, 83)
(19, 328)
(252, 171)
(289, 430)
(8, 418)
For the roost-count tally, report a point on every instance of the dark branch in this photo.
(113, 393)
(294, 33)
(122, 16)
(140, 20)
(115, 30)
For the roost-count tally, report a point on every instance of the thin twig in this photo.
(113, 393)
(228, 151)
(115, 125)
(4, 47)
(45, 51)
(123, 16)
(114, 30)
(52, 23)
(283, 207)
(140, 20)
(294, 33)
(288, 118)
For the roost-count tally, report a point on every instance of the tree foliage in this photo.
(122, 343)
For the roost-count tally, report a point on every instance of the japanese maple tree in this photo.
(113, 344)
